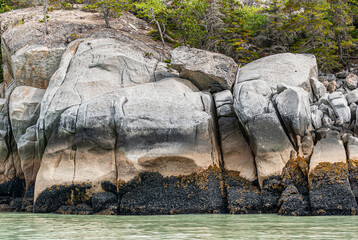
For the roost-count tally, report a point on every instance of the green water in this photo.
(48, 226)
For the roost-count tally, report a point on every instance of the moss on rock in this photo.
(330, 190)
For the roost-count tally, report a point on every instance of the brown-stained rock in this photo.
(151, 193)
(243, 196)
(330, 190)
(332, 86)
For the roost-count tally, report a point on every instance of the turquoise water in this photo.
(48, 226)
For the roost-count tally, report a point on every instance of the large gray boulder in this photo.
(340, 107)
(27, 147)
(8, 170)
(24, 109)
(90, 68)
(207, 70)
(316, 117)
(236, 152)
(352, 97)
(258, 116)
(318, 88)
(293, 105)
(287, 68)
(165, 127)
(33, 57)
(352, 81)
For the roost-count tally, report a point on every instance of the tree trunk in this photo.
(45, 15)
(105, 15)
(340, 48)
(159, 28)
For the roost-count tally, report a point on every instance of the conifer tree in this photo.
(107, 7)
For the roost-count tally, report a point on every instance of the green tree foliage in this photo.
(320, 27)
(109, 8)
(325, 28)
(187, 20)
(156, 12)
(5, 6)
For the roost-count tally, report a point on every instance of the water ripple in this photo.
(208, 227)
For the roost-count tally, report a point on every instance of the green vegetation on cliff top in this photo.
(325, 28)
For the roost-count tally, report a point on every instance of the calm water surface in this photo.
(48, 226)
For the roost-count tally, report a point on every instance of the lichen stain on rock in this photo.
(151, 193)
(296, 173)
(330, 190)
(243, 196)
(331, 173)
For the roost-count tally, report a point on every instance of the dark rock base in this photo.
(77, 199)
(151, 193)
(353, 176)
(330, 190)
(243, 197)
(292, 203)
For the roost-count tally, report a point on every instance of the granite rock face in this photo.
(115, 136)
(32, 57)
(24, 109)
(287, 68)
(207, 70)
(294, 109)
(119, 62)
(234, 147)
(102, 125)
(258, 116)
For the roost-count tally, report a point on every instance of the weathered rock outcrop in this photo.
(330, 190)
(293, 107)
(130, 127)
(102, 125)
(268, 139)
(207, 70)
(32, 57)
(234, 147)
(24, 110)
(287, 68)
(91, 68)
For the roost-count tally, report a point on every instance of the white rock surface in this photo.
(207, 70)
(287, 68)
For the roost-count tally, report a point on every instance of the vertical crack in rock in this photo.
(74, 148)
(61, 73)
(120, 115)
(221, 160)
(283, 125)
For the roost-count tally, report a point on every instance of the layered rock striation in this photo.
(99, 123)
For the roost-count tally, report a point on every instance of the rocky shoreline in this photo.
(106, 121)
